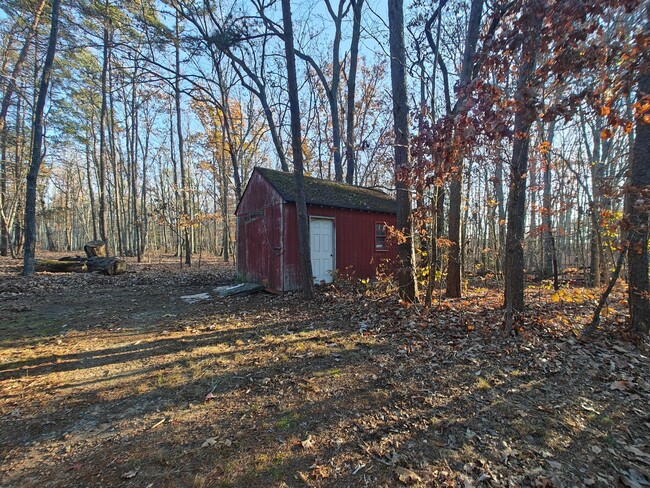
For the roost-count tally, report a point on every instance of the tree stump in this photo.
(108, 266)
(95, 248)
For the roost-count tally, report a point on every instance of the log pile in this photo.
(95, 261)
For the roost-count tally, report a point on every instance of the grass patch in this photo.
(482, 384)
(333, 373)
(288, 421)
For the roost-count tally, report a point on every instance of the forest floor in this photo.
(118, 381)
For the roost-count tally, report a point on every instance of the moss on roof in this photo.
(330, 193)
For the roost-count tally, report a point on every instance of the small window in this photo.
(251, 217)
(380, 237)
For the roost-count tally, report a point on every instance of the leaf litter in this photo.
(350, 390)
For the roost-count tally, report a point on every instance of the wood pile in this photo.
(96, 260)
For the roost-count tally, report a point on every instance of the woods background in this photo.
(522, 124)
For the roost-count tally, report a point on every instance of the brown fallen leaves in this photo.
(349, 390)
(407, 476)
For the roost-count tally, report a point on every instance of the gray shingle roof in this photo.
(330, 193)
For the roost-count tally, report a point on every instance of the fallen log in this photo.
(95, 248)
(54, 266)
(108, 266)
(78, 259)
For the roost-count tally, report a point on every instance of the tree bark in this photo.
(296, 146)
(54, 266)
(595, 320)
(332, 93)
(454, 275)
(524, 117)
(597, 167)
(437, 209)
(548, 245)
(37, 130)
(187, 244)
(637, 203)
(95, 248)
(227, 135)
(102, 126)
(350, 153)
(454, 279)
(4, 227)
(406, 256)
(108, 266)
(501, 214)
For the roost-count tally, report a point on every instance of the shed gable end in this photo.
(259, 194)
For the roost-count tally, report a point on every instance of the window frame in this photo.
(381, 235)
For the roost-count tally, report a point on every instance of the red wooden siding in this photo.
(354, 232)
(267, 238)
(259, 234)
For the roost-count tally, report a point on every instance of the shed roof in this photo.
(330, 193)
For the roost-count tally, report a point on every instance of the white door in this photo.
(321, 232)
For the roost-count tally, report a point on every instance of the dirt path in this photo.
(119, 382)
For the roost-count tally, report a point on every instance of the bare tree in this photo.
(187, 244)
(637, 203)
(296, 146)
(524, 118)
(37, 157)
(405, 270)
(357, 7)
(454, 278)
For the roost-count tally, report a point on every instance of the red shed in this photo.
(347, 225)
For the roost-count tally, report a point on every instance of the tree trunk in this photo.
(117, 179)
(524, 117)
(296, 146)
(453, 289)
(91, 191)
(501, 224)
(637, 203)
(454, 277)
(37, 130)
(350, 153)
(597, 167)
(533, 230)
(108, 266)
(548, 245)
(262, 96)
(181, 152)
(226, 135)
(437, 209)
(225, 183)
(133, 164)
(595, 320)
(333, 91)
(4, 227)
(143, 197)
(102, 127)
(406, 255)
(54, 266)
